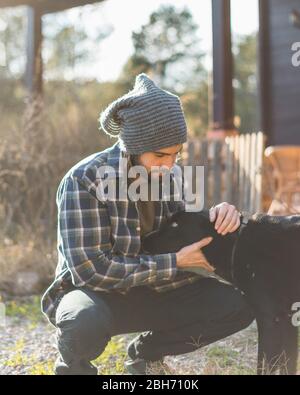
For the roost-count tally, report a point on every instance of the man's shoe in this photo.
(140, 366)
(78, 368)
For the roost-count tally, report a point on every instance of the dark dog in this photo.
(261, 258)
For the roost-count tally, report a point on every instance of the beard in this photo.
(135, 161)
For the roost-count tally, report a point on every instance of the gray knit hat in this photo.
(147, 118)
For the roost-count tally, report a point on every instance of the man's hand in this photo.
(192, 255)
(227, 217)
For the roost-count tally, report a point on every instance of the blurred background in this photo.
(91, 55)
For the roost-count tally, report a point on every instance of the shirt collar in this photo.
(115, 154)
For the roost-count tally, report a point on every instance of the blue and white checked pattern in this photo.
(98, 242)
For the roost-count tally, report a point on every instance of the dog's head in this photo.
(179, 230)
(184, 228)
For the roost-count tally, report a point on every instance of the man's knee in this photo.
(84, 326)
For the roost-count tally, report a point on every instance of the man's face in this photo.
(163, 157)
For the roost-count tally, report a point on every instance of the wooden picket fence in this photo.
(232, 169)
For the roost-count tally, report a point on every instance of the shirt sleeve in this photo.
(84, 232)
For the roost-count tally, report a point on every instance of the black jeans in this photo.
(176, 322)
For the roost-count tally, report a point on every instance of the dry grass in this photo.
(34, 155)
(28, 347)
(26, 267)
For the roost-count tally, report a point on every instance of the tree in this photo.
(168, 50)
(12, 42)
(245, 82)
(169, 46)
(68, 44)
(134, 66)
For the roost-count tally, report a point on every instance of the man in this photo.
(104, 284)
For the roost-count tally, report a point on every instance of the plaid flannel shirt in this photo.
(98, 241)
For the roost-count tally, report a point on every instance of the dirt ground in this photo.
(28, 348)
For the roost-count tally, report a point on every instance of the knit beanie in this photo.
(147, 118)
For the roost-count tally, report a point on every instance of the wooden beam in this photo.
(264, 74)
(14, 3)
(57, 5)
(223, 111)
(48, 6)
(34, 65)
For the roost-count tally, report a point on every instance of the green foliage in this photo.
(28, 308)
(195, 105)
(69, 45)
(111, 361)
(44, 368)
(18, 358)
(167, 42)
(12, 45)
(68, 130)
(167, 47)
(225, 357)
(245, 82)
(223, 360)
(66, 45)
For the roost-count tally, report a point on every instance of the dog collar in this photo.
(244, 219)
